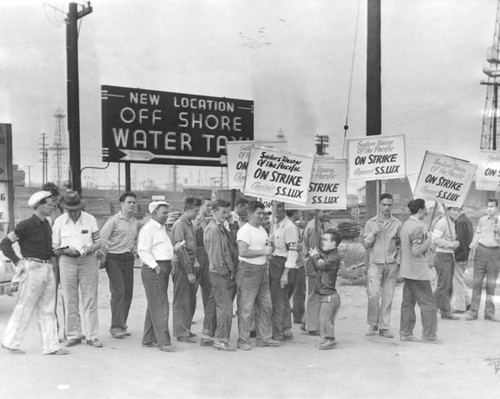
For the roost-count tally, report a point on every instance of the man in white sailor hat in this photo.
(36, 276)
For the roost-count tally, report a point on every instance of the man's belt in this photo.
(485, 246)
(37, 260)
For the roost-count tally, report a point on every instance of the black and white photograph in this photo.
(249, 199)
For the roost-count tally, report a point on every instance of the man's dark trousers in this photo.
(282, 312)
(203, 281)
(486, 264)
(184, 303)
(418, 292)
(219, 310)
(120, 269)
(299, 295)
(444, 263)
(156, 287)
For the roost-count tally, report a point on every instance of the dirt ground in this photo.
(359, 367)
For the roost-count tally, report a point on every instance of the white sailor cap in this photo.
(155, 204)
(37, 197)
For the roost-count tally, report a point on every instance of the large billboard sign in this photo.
(148, 126)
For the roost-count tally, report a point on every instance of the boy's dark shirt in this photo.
(465, 232)
(327, 265)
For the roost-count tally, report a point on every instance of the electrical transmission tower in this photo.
(44, 155)
(60, 161)
(490, 131)
(322, 144)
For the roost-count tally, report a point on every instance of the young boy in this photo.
(327, 265)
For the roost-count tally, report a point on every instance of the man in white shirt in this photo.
(444, 238)
(75, 237)
(252, 280)
(282, 269)
(156, 252)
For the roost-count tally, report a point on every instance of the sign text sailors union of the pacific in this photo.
(171, 128)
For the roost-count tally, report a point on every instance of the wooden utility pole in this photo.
(373, 94)
(73, 91)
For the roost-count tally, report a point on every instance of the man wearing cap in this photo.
(119, 237)
(186, 268)
(282, 269)
(156, 251)
(36, 275)
(75, 238)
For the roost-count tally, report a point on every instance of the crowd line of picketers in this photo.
(230, 254)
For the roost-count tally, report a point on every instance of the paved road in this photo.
(360, 367)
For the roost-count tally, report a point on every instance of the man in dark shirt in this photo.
(185, 269)
(461, 299)
(36, 275)
(326, 264)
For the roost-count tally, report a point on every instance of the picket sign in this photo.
(278, 175)
(444, 179)
(488, 171)
(238, 153)
(377, 158)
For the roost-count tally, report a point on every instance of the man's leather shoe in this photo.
(244, 346)
(192, 334)
(372, 330)
(268, 342)
(206, 342)
(408, 338)
(223, 346)
(328, 344)
(95, 343)
(288, 334)
(470, 317)
(384, 332)
(449, 316)
(492, 318)
(60, 352)
(432, 341)
(166, 348)
(13, 351)
(73, 342)
(118, 334)
(455, 311)
(188, 339)
(149, 344)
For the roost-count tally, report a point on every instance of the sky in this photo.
(293, 58)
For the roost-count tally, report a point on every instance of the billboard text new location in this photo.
(148, 126)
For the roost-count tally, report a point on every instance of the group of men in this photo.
(231, 254)
(403, 249)
(73, 237)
